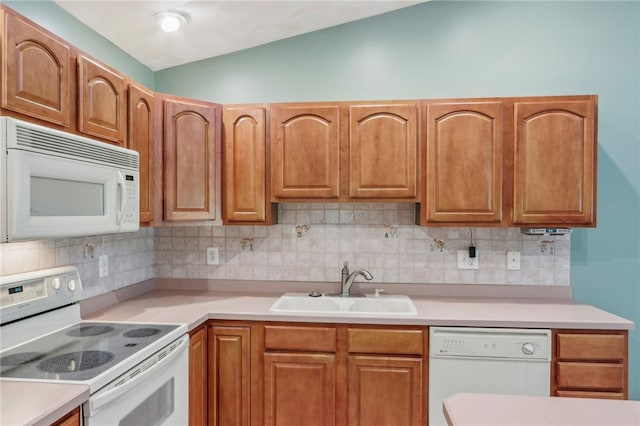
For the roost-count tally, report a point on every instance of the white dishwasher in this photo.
(486, 360)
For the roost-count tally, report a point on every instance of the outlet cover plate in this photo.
(466, 262)
(514, 259)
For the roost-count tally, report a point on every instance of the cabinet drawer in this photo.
(320, 339)
(590, 375)
(591, 346)
(382, 341)
(587, 394)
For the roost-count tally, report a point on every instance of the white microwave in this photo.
(56, 184)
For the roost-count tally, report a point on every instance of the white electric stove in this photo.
(137, 373)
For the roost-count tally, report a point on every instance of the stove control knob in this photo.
(71, 285)
(528, 349)
(55, 283)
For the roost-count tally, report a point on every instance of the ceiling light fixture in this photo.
(170, 21)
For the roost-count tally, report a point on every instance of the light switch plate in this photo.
(212, 256)
(103, 266)
(466, 262)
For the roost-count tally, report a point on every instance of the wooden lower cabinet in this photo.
(385, 390)
(281, 374)
(198, 377)
(590, 364)
(71, 419)
(299, 389)
(229, 375)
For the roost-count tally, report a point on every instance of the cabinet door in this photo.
(71, 419)
(36, 71)
(464, 162)
(229, 375)
(102, 102)
(386, 391)
(299, 389)
(191, 149)
(383, 151)
(305, 152)
(245, 165)
(198, 377)
(141, 139)
(555, 162)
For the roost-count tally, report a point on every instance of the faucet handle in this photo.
(378, 291)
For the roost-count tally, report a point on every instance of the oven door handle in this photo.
(139, 373)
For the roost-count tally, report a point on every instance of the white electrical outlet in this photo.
(212, 256)
(103, 266)
(466, 262)
(513, 260)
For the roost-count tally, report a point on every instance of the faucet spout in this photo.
(346, 283)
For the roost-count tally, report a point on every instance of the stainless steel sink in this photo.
(370, 304)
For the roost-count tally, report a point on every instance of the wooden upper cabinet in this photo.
(102, 103)
(305, 152)
(464, 162)
(191, 151)
(36, 71)
(555, 162)
(383, 151)
(141, 139)
(245, 165)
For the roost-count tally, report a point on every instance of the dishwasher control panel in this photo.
(497, 343)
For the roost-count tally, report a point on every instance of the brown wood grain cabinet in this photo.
(464, 179)
(36, 71)
(229, 375)
(102, 101)
(387, 375)
(383, 151)
(71, 419)
(274, 373)
(198, 377)
(555, 161)
(299, 389)
(245, 194)
(141, 138)
(192, 152)
(305, 151)
(590, 363)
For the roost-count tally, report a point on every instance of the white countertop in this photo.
(466, 409)
(194, 307)
(29, 403)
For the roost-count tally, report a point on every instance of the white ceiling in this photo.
(215, 27)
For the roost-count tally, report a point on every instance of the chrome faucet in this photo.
(348, 278)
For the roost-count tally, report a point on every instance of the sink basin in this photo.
(382, 304)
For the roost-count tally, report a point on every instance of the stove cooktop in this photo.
(79, 352)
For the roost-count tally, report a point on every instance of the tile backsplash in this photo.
(310, 243)
(130, 258)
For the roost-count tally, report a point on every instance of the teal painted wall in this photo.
(474, 49)
(57, 20)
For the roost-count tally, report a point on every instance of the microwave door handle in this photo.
(100, 399)
(123, 198)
